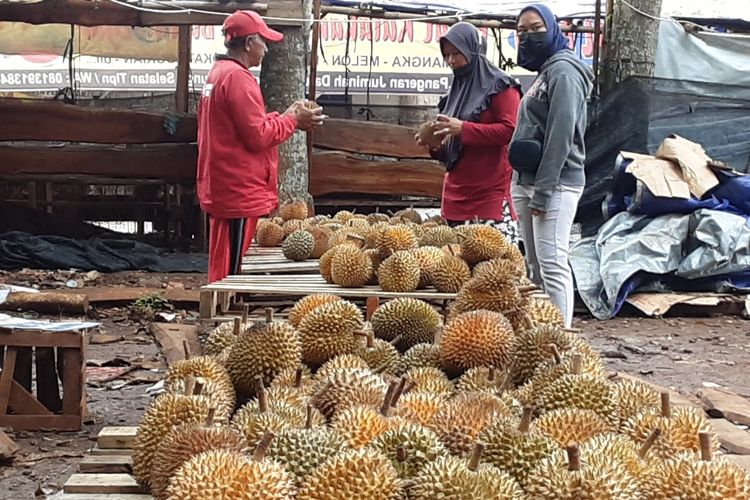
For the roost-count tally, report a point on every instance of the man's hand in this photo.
(448, 127)
(308, 118)
(291, 110)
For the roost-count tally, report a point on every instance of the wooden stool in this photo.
(60, 361)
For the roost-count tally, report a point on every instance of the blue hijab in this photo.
(556, 41)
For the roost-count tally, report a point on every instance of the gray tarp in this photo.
(703, 244)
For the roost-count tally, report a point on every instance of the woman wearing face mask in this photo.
(476, 122)
(548, 151)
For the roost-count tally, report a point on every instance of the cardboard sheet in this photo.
(692, 160)
(661, 177)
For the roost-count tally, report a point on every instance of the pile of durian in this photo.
(496, 401)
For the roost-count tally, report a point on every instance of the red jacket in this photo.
(238, 159)
(480, 181)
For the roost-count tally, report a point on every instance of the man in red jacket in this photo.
(238, 142)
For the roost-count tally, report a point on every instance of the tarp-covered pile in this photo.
(679, 221)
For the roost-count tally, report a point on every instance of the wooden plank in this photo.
(344, 173)
(37, 120)
(182, 96)
(22, 402)
(99, 496)
(675, 397)
(34, 338)
(102, 483)
(98, 295)
(106, 464)
(375, 138)
(176, 161)
(6, 378)
(731, 437)
(41, 422)
(726, 404)
(47, 389)
(73, 383)
(96, 451)
(741, 460)
(116, 437)
(171, 338)
(8, 447)
(46, 301)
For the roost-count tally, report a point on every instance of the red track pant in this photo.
(228, 241)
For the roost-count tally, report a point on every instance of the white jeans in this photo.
(546, 240)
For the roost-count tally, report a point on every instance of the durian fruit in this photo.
(685, 476)
(476, 338)
(183, 442)
(544, 312)
(427, 258)
(353, 474)
(495, 293)
(376, 260)
(421, 355)
(306, 304)
(460, 420)
(429, 380)
(225, 474)
(500, 266)
(680, 428)
(351, 267)
(620, 448)
(571, 425)
(396, 238)
(409, 447)
(290, 395)
(566, 476)
(512, 447)
(399, 273)
(346, 236)
(326, 261)
(329, 330)
(492, 483)
(220, 390)
(376, 217)
(537, 346)
(321, 236)
(420, 407)
(633, 397)
(409, 215)
(269, 234)
(264, 353)
(415, 321)
(291, 226)
(300, 379)
(380, 355)
(438, 236)
(343, 361)
(342, 216)
(450, 274)
(302, 450)
(348, 387)
(277, 220)
(446, 477)
(483, 379)
(293, 209)
(483, 243)
(220, 338)
(298, 245)
(214, 393)
(166, 412)
(359, 425)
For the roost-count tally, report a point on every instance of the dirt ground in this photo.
(682, 353)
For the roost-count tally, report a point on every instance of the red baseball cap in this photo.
(248, 22)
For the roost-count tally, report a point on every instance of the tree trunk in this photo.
(631, 48)
(283, 76)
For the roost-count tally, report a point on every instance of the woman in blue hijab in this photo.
(547, 151)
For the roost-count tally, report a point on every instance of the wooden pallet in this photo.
(106, 472)
(217, 298)
(270, 260)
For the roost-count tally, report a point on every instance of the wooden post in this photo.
(184, 44)
(313, 90)
(597, 41)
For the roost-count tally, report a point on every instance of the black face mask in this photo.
(533, 49)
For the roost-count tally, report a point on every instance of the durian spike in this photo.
(574, 457)
(577, 368)
(400, 454)
(450, 251)
(555, 353)
(269, 315)
(572, 330)
(186, 348)
(262, 448)
(245, 313)
(298, 378)
(396, 340)
(399, 390)
(666, 406)
(461, 236)
(309, 417)
(198, 388)
(491, 374)
(262, 399)
(372, 304)
(649, 442)
(528, 414)
(189, 385)
(385, 408)
(237, 326)
(210, 417)
(476, 456)
(705, 443)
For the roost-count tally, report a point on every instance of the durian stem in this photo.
(555, 353)
(198, 388)
(298, 378)
(705, 442)
(508, 377)
(649, 442)
(396, 339)
(382, 368)
(385, 408)
(400, 454)
(210, 417)
(237, 326)
(438, 336)
(189, 384)
(528, 414)
(527, 321)
(409, 386)
(269, 315)
(476, 456)
(370, 341)
(491, 374)
(389, 212)
(574, 457)
(186, 348)
(577, 364)
(527, 288)
(666, 406)
(355, 237)
(309, 417)
(262, 448)
(245, 313)
(397, 393)
(262, 400)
